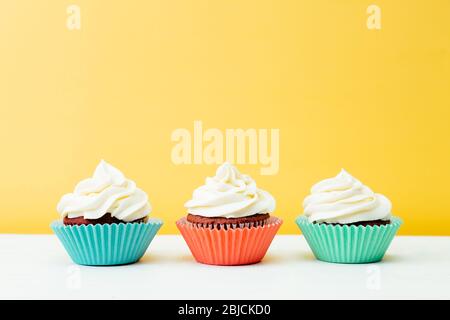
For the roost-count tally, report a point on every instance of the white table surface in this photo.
(37, 267)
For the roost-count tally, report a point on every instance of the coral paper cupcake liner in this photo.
(231, 246)
(348, 244)
(106, 244)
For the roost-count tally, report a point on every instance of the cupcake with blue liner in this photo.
(105, 220)
(344, 221)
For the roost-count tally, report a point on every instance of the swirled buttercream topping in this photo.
(107, 191)
(230, 194)
(344, 199)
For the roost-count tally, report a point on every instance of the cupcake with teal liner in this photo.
(105, 220)
(344, 221)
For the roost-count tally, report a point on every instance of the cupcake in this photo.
(105, 220)
(228, 220)
(346, 222)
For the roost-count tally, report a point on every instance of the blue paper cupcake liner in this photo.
(106, 244)
(348, 244)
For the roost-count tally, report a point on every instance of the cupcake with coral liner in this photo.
(229, 220)
(105, 220)
(344, 221)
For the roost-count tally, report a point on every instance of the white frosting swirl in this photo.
(108, 191)
(344, 199)
(230, 194)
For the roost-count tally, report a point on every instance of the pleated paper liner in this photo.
(106, 244)
(348, 244)
(233, 245)
(227, 226)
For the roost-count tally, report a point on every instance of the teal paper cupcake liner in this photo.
(348, 244)
(106, 244)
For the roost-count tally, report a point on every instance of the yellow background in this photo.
(374, 102)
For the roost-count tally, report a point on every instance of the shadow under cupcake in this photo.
(346, 222)
(228, 221)
(105, 220)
